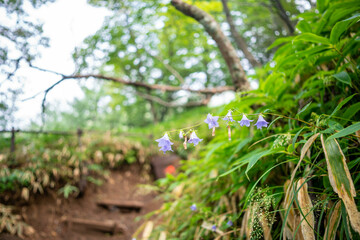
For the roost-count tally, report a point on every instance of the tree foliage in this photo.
(20, 39)
(152, 42)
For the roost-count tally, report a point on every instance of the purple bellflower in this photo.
(229, 223)
(194, 139)
(245, 121)
(181, 134)
(228, 117)
(166, 148)
(261, 122)
(193, 207)
(213, 228)
(164, 143)
(212, 122)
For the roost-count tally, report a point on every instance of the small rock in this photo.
(29, 230)
(111, 181)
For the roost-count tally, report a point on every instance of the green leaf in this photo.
(322, 5)
(67, 190)
(213, 148)
(310, 37)
(239, 147)
(254, 158)
(303, 26)
(346, 131)
(342, 103)
(296, 136)
(343, 77)
(345, 222)
(274, 122)
(334, 125)
(303, 109)
(341, 27)
(351, 111)
(279, 41)
(338, 171)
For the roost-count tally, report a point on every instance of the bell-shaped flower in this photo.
(228, 117)
(181, 134)
(166, 148)
(245, 121)
(193, 207)
(230, 223)
(213, 228)
(194, 139)
(164, 143)
(212, 122)
(261, 122)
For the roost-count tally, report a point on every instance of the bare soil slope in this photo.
(48, 212)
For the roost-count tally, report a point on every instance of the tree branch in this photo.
(227, 50)
(282, 14)
(44, 98)
(240, 41)
(207, 91)
(165, 88)
(203, 102)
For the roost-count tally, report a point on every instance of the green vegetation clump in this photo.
(59, 163)
(298, 177)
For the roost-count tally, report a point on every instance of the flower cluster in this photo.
(212, 121)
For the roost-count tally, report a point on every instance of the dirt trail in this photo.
(47, 212)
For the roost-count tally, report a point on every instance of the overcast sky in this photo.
(67, 23)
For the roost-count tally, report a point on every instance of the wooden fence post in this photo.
(79, 134)
(12, 146)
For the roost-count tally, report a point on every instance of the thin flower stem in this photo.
(181, 129)
(310, 124)
(339, 118)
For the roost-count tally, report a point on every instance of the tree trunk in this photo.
(282, 14)
(227, 50)
(240, 42)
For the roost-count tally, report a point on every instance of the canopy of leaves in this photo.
(152, 42)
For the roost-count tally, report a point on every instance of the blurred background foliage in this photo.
(150, 41)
